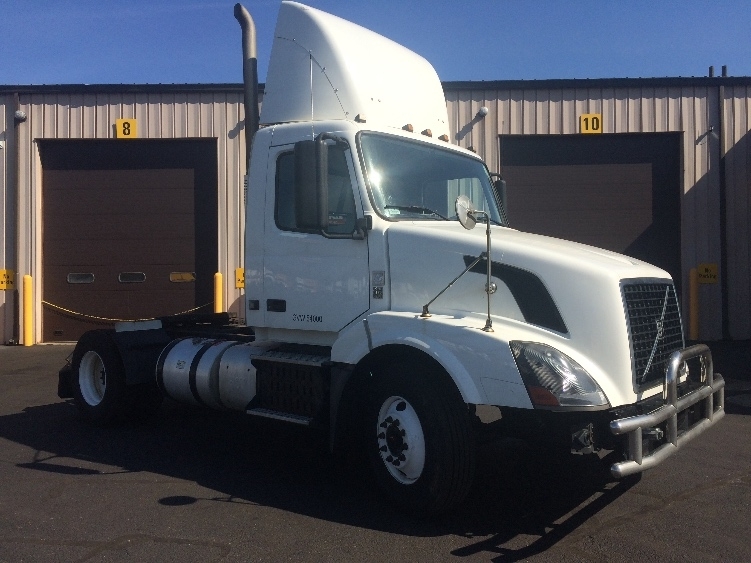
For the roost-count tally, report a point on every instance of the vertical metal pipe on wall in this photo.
(725, 313)
(17, 188)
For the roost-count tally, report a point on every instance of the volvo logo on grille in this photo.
(660, 329)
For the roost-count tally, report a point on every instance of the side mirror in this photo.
(311, 184)
(500, 189)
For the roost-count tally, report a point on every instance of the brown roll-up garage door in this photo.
(121, 243)
(619, 192)
(605, 205)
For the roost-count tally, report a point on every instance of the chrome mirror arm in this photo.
(425, 312)
(467, 215)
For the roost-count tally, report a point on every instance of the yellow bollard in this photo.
(218, 297)
(693, 298)
(28, 312)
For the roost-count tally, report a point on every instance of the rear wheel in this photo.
(418, 438)
(98, 377)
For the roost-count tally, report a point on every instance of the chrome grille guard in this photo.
(712, 392)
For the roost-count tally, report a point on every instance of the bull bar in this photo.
(712, 392)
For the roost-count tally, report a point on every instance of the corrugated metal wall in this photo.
(639, 107)
(170, 113)
(714, 116)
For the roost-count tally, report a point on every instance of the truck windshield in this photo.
(412, 181)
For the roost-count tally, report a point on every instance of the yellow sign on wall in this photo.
(7, 279)
(707, 273)
(239, 278)
(182, 277)
(126, 129)
(590, 123)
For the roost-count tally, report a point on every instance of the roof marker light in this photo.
(408, 127)
(427, 132)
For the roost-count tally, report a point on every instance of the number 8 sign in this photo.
(126, 129)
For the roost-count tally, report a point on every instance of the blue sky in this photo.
(198, 41)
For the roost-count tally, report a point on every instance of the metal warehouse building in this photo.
(121, 202)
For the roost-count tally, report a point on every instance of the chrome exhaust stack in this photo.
(250, 76)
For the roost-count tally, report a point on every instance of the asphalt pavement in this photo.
(197, 485)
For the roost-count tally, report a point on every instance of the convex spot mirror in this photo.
(465, 211)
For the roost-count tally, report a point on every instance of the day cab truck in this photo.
(377, 314)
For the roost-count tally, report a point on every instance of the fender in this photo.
(444, 339)
(139, 350)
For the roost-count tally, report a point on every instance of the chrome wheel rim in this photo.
(92, 378)
(401, 441)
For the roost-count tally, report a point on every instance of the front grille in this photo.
(654, 324)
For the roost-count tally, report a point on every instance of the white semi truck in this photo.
(376, 313)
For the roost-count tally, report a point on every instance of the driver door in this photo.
(313, 282)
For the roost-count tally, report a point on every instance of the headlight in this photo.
(553, 379)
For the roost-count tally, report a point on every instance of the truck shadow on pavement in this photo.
(519, 506)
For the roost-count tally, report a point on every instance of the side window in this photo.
(342, 212)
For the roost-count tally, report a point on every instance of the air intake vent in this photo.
(654, 324)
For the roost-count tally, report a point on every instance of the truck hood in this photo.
(561, 293)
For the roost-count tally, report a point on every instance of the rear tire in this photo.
(419, 438)
(98, 377)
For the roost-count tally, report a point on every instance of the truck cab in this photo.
(388, 300)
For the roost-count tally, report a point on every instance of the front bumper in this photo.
(678, 420)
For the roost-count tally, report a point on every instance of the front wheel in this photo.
(98, 377)
(419, 438)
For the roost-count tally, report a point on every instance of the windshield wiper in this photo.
(416, 209)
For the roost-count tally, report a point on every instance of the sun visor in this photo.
(325, 68)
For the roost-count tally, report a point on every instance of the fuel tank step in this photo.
(292, 356)
(277, 415)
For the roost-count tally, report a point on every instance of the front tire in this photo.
(419, 438)
(98, 377)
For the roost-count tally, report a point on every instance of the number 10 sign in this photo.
(590, 123)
